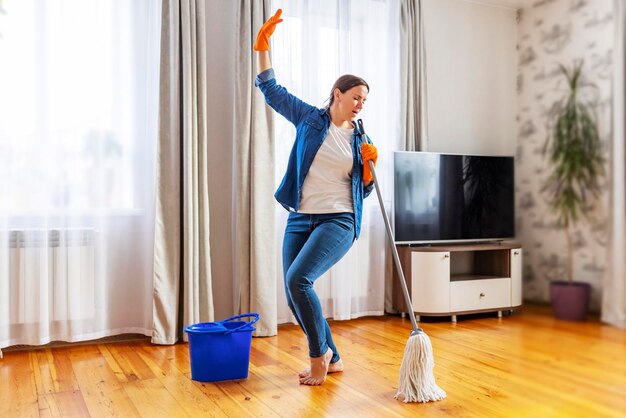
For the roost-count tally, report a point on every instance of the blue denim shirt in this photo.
(312, 125)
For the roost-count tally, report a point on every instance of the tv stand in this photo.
(456, 279)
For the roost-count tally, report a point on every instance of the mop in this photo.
(417, 381)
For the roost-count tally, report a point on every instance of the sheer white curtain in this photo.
(318, 42)
(78, 106)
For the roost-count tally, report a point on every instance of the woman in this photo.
(327, 177)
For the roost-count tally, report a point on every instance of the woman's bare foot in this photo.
(332, 368)
(319, 369)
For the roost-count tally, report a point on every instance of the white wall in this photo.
(221, 17)
(471, 77)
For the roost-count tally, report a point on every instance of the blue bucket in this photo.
(220, 350)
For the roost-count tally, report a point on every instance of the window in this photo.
(317, 42)
(73, 119)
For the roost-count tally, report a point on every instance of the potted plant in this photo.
(574, 151)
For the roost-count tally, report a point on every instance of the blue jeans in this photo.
(313, 243)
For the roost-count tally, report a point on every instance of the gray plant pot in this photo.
(570, 301)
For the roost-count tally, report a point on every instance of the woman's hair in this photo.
(345, 83)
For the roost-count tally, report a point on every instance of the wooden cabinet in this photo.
(459, 279)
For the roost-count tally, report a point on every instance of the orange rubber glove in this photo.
(263, 38)
(368, 153)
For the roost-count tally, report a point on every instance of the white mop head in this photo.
(417, 381)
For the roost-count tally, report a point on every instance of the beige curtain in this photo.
(182, 264)
(414, 121)
(413, 76)
(614, 287)
(255, 239)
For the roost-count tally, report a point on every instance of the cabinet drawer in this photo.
(471, 295)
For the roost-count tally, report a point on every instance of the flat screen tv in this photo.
(451, 197)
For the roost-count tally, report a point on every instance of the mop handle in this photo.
(392, 240)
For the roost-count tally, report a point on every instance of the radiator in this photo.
(48, 275)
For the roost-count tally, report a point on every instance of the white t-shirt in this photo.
(327, 187)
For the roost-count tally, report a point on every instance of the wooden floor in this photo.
(527, 364)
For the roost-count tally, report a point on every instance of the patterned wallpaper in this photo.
(552, 32)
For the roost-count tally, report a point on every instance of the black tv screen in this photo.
(450, 197)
